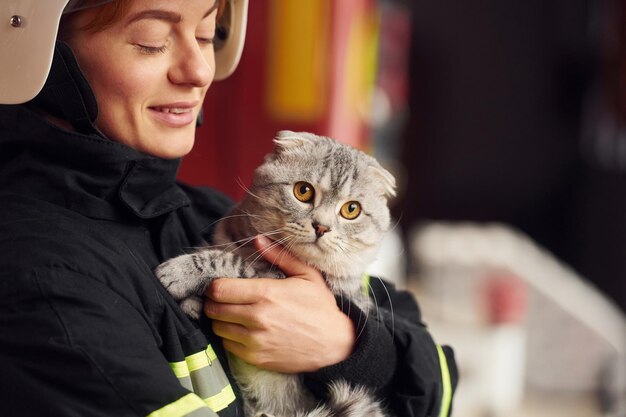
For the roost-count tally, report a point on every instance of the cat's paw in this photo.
(192, 307)
(178, 276)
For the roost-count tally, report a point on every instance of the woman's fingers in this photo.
(232, 331)
(286, 325)
(236, 290)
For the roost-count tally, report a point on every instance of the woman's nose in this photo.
(194, 66)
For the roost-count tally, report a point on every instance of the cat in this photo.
(326, 203)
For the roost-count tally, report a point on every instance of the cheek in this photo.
(122, 96)
(362, 231)
(115, 76)
(122, 84)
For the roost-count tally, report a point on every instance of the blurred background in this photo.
(505, 125)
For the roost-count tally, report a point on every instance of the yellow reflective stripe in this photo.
(446, 397)
(211, 353)
(180, 369)
(200, 359)
(181, 407)
(193, 362)
(205, 381)
(222, 400)
(197, 361)
(365, 284)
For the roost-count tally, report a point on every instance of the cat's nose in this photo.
(320, 229)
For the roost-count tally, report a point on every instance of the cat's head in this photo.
(325, 201)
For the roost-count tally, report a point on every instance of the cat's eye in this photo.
(350, 210)
(304, 191)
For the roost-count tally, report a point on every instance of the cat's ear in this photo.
(386, 180)
(286, 139)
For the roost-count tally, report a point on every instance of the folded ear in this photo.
(386, 181)
(286, 139)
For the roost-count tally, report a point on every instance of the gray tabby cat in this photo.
(326, 203)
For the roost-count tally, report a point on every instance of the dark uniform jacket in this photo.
(87, 330)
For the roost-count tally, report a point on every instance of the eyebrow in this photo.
(165, 15)
(155, 14)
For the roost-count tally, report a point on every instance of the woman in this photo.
(90, 207)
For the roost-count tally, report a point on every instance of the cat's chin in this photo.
(312, 253)
(309, 250)
(325, 259)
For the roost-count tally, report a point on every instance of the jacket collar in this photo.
(82, 170)
(149, 189)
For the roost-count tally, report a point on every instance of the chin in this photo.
(170, 148)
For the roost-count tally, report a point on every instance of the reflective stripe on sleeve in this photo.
(203, 374)
(182, 373)
(221, 400)
(446, 397)
(188, 406)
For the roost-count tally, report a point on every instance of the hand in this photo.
(287, 325)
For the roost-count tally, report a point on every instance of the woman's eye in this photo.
(205, 41)
(350, 210)
(304, 191)
(151, 50)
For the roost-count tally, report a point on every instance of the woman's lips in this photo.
(174, 115)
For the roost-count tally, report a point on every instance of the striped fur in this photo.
(316, 232)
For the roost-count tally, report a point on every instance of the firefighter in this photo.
(99, 105)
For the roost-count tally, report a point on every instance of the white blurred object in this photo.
(390, 261)
(574, 333)
(505, 353)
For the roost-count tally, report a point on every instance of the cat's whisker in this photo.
(251, 238)
(228, 245)
(341, 303)
(210, 225)
(286, 243)
(395, 224)
(375, 302)
(354, 246)
(230, 216)
(361, 327)
(341, 300)
(246, 189)
(393, 327)
(249, 214)
(290, 243)
(346, 245)
(271, 246)
(193, 249)
(237, 244)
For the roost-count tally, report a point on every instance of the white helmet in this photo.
(28, 30)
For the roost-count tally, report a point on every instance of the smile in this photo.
(174, 115)
(173, 110)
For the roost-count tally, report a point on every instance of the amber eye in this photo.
(350, 210)
(304, 191)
